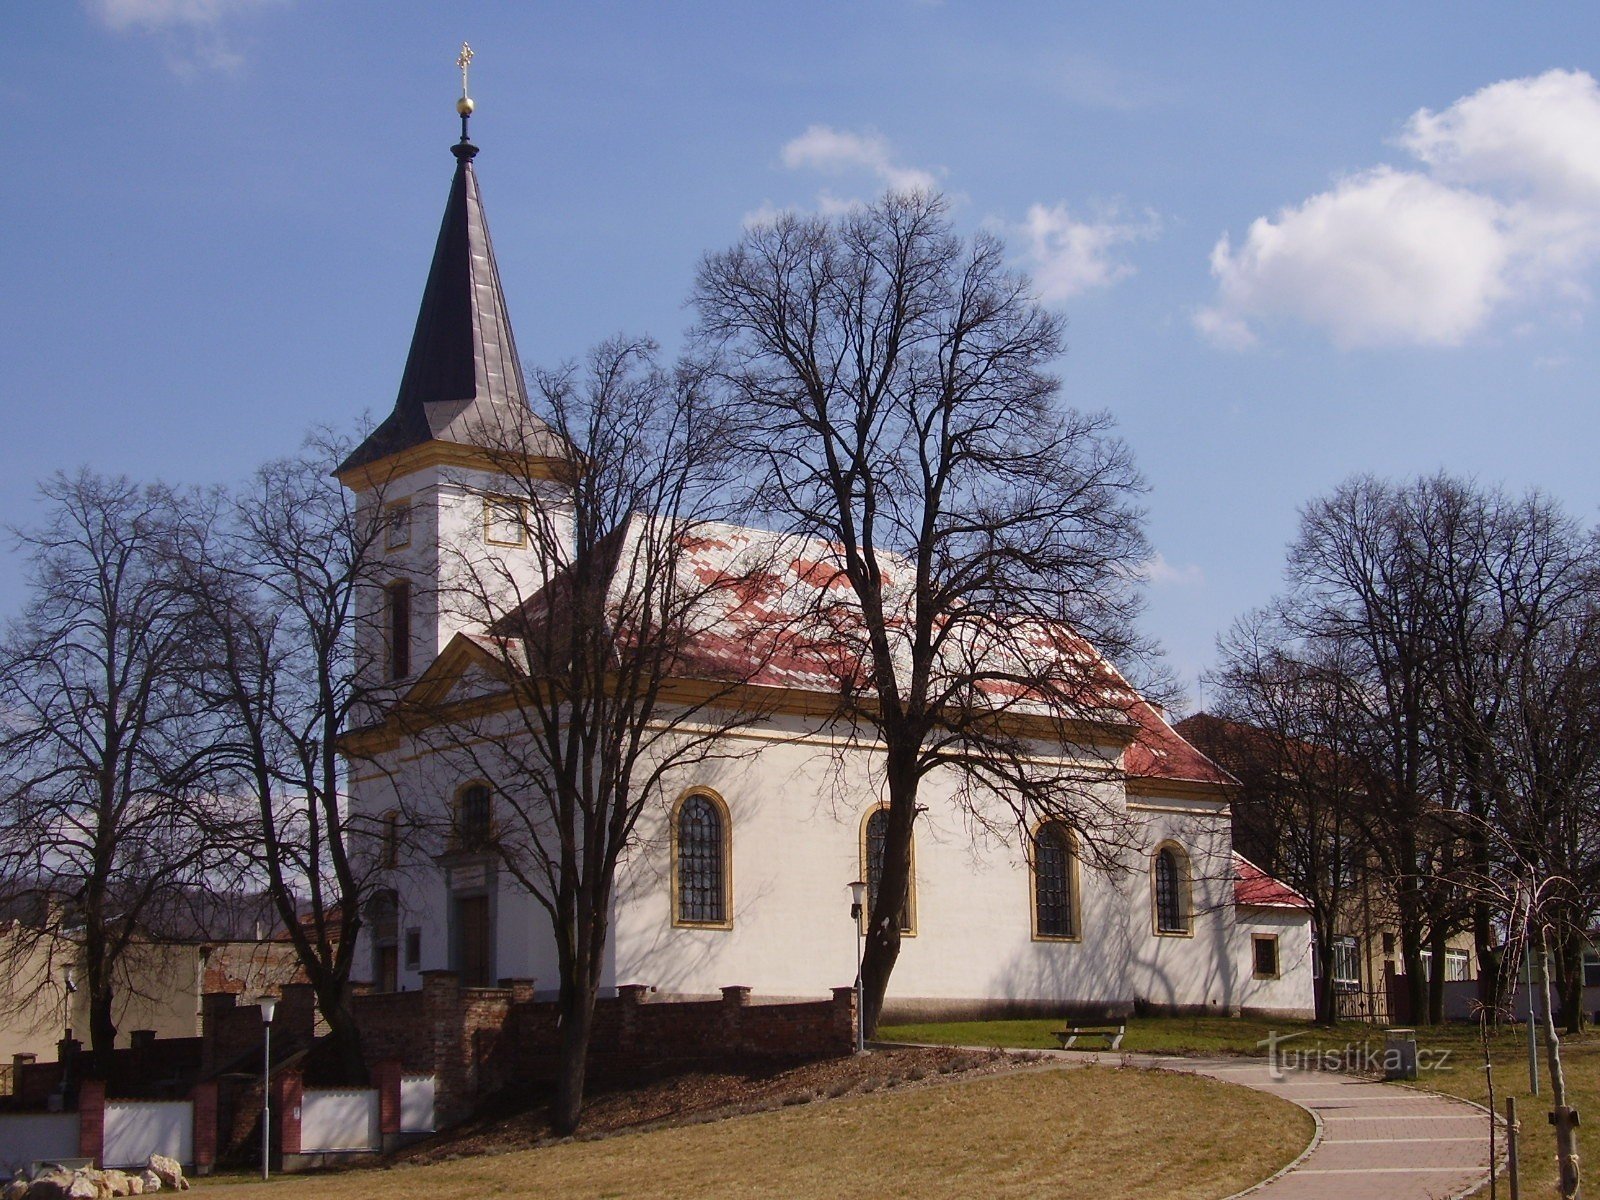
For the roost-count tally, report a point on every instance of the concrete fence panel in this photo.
(339, 1119)
(28, 1137)
(136, 1129)
(416, 1104)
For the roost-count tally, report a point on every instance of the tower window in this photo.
(474, 822)
(397, 525)
(397, 599)
(505, 522)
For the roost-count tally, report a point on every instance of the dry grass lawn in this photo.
(1095, 1131)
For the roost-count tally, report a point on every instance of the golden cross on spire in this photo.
(464, 60)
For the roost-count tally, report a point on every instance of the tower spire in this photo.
(463, 381)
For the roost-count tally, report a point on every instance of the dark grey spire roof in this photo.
(463, 380)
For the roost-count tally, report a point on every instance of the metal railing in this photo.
(1358, 1004)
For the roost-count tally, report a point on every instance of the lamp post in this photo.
(67, 992)
(858, 893)
(268, 1006)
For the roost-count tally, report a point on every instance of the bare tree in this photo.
(1281, 714)
(103, 741)
(275, 587)
(603, 631)
(980, 534)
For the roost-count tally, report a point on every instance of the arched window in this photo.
(1055, 909)
(474, 824)
(875, 836)
(700, 846)
(1172, 885)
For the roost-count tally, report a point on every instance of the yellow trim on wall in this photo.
(721, 806)
(1072, 883)
(448, 454)
(910, 927)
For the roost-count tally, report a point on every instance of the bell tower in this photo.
(454, 469)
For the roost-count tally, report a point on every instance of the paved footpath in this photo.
(1376, 1141)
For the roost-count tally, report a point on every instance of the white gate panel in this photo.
(27, 1137)
(339, 1119)
(136, 1129)
(416, 1104)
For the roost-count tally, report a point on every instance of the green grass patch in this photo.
(1145, 1035)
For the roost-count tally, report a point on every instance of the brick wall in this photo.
(477, 1040)
(232, 1031)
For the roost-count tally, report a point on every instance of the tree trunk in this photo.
(1327, 995)
(1487, 948)
(882, 947)
(577, 1024)
(1570, 949)
(1438, 946)
(102, 1032)
(1416, 983)
(344, 1035)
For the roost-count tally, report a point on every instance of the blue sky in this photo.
(1292, 242)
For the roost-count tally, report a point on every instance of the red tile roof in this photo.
(776, 612)
(1254, 888)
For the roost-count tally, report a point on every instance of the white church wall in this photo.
(1292, 992)
(796, 818)
(796, 822)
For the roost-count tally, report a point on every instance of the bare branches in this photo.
(598, 667)
(103, 742)
(971, 537)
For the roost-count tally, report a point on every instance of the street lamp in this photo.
(268, 1006)
(858, 894)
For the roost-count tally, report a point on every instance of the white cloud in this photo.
(837, 151)
(1160, 573)
(192, 32)
(1503, 208)
(1069, 256)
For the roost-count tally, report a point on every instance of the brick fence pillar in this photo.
(734, 1001)
(288, 1093)
(386, 1078)
(843, 1023)
(447, 1051)
(92, 1119)
(204, 1099)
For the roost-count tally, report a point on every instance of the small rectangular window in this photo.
(398, 600)
(413, 949)
(1347, 964)
(1266, 955)
(1457, 966)
(505, 522)
(397, 525)
(1591, 971)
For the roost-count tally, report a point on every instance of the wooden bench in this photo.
(1111, 1033)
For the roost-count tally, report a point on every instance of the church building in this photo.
(740, 876)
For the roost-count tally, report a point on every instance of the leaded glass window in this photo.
(1170, 917)
(702, 873)
(877, 839)
(1052, 883)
